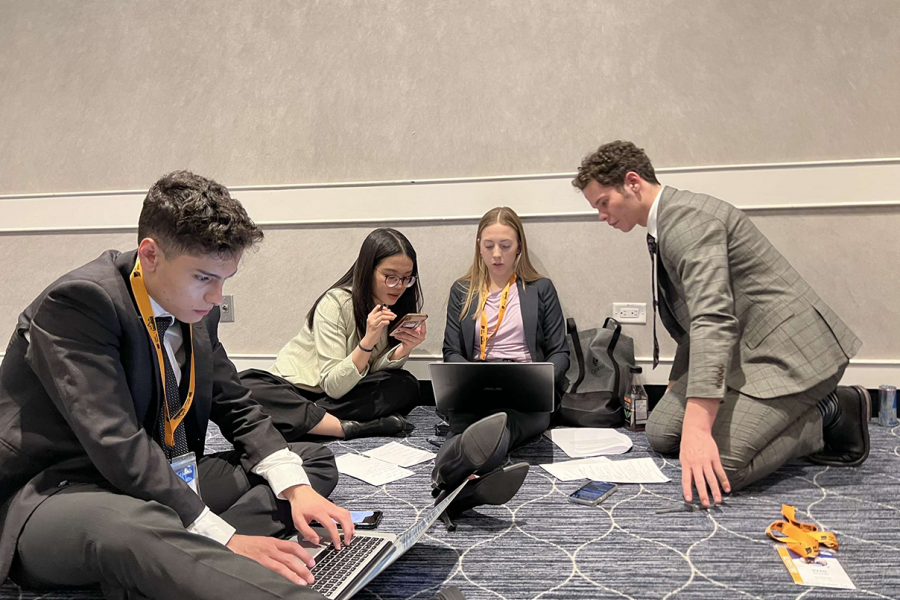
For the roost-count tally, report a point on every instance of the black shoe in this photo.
(408, 426)
(470, 451)
(388, 425)
(847, 438)
(496, 488)
(450, 593)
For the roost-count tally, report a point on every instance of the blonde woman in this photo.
(530, 329)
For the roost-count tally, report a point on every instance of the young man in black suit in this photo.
(111, 375)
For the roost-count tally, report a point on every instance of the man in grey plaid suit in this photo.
(759, 357)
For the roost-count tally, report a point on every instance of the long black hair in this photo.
(378, 245)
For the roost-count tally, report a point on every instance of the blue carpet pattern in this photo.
(542, 546)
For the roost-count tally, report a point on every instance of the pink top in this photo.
(509, 343)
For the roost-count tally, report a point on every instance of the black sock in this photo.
(830, 409)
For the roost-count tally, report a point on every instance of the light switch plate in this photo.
(227, 310)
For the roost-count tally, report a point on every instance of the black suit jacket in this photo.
(80, 392)
(542, 317)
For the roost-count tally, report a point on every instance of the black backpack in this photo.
(601, 374)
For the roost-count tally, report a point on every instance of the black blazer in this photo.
(87, 366)
(545, 327)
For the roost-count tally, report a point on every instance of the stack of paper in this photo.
(400, 454)
(635, 470)
(370, 470)
(578, 442)
(383, 464)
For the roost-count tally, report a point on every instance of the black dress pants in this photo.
(295, 411)
(89, 534)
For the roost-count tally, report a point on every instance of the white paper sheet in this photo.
(572, 469)
(370, 470)
(635, 470)
(579, 442)
(400, 454)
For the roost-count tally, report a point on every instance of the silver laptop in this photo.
(340, 575)
(477, 387)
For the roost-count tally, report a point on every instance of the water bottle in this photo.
(636, 404)
(887, 406)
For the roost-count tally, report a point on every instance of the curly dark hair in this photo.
(186, 213)
(611, 162)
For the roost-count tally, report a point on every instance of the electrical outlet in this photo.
(227, 310)
(630, 312)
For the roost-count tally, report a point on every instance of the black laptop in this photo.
(478, 387)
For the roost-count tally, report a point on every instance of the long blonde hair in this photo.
(478, 277)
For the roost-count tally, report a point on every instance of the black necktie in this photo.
(651, 245)
(173, 398)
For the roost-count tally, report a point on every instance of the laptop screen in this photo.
(408, 538)
(479, 387)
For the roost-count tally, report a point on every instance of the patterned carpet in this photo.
(542, 546)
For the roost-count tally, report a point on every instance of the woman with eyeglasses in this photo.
(341, 376)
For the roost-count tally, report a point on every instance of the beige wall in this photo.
(107, 96)
(104, 95)
(846, 254)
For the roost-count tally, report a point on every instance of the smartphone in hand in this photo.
(410, 320)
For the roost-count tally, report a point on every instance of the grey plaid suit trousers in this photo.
(750, 331)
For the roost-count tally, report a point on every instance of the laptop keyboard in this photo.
(333, 567)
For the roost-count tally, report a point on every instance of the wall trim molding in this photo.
(807, 186)
(870, 373)
(537, 176)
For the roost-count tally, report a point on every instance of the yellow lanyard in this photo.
(146, 309)
(504, 299)
(802, 538)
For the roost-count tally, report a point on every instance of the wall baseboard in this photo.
(868, 373)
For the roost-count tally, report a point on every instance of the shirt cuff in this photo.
(213, 526)
(282, 469)
(342, 378)
(394, 362)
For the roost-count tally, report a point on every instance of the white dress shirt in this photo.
(282, 469)
(653, 227)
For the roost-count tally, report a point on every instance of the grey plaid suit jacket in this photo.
(743, 318)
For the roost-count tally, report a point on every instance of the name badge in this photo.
(185, 466)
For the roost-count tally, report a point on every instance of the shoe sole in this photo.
(481, 439)
(499, 487)
(865, 410)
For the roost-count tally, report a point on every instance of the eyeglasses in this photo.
(393, 281)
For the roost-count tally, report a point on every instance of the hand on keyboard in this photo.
(307, 505)
(280, 556)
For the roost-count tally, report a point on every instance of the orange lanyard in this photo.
(802, 538)
(146, 309)
(504, 299)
